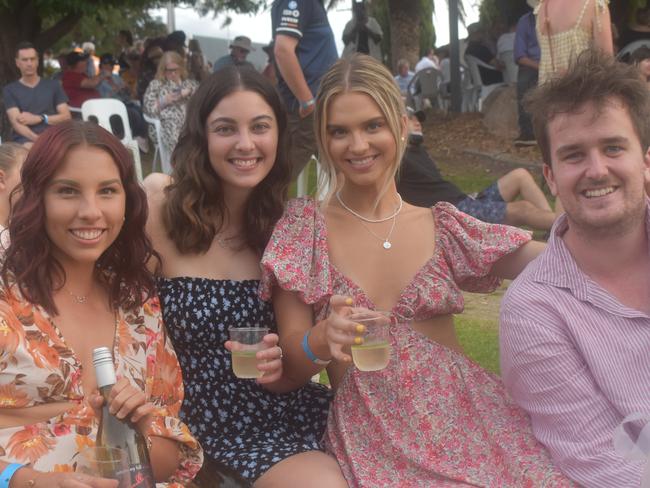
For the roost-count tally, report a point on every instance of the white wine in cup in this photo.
(248, 340)
(105, 462)
(374, 353)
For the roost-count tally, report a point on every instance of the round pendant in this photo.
(387, 245)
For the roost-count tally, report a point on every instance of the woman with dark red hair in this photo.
(74, 279)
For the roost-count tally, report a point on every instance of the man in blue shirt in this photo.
(527, 56)
(33, 103)
(304, 50)
(404, 76)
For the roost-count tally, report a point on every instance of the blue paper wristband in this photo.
(7, 473)
(310, 354)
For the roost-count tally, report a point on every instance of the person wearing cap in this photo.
(239, 49)
(33, 103)
(113, 86)
(514, 199)
(304, 50)
(76, 83)
(269, 69)
(527, 56)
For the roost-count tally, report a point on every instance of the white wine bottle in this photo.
(113, 432)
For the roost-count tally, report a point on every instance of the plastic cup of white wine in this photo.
(374, 353)
(248, 340)
(105, 462)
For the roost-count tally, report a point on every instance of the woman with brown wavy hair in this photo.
(74, 279)
(210, 223)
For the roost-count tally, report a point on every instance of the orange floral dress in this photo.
(37, 367)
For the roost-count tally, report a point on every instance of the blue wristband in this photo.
(310, 354)
(7, 473)
(308, 103)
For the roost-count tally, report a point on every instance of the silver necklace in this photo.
(370, 221)
(81, 299)
(386, 244)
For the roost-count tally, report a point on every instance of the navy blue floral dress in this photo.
(238, 422)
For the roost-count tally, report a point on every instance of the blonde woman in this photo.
(565, 28)
(432, 417)
(167, 96)
(12, 156)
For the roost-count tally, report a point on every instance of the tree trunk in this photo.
(404, 31)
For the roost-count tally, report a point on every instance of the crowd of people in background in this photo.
(164, 268)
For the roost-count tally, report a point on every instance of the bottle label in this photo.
(137, 476)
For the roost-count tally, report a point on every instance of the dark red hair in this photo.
(29, 260)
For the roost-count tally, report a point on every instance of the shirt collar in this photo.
(558, 268)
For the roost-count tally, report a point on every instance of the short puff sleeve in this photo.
(296, 257)
(471, 247)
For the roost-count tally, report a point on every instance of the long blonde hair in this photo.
(173, 57)
(363, 74)
(9, 155)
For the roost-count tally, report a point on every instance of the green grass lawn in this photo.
(480, 340)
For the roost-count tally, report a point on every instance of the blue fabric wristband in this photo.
(7, 473)
(307, 103)
(310, 354)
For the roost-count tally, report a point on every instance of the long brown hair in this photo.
(594, 77)
(194, 209)
(29, 261)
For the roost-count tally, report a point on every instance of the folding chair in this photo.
(161, 152)
(473, 64)
(425, 85)
(625, 52)
(102, 110)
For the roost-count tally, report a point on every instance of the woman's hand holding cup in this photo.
(340, 331)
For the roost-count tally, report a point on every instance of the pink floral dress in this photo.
(432, 417)
(37, 367)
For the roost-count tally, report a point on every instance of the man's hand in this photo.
(27, 118)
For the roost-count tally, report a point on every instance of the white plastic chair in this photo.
(102, 109)
(425, 85)
(302, 181)
(510, 73)
(631, 47)
(483, 90)
(161, 152)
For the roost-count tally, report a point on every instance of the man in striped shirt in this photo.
(575, 325)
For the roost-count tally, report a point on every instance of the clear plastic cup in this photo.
(374, 353)
(248, 340)
(105, 462)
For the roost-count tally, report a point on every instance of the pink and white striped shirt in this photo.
(578, 361)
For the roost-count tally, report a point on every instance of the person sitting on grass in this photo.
(575, 325)
(514, 199)
(431, 417)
